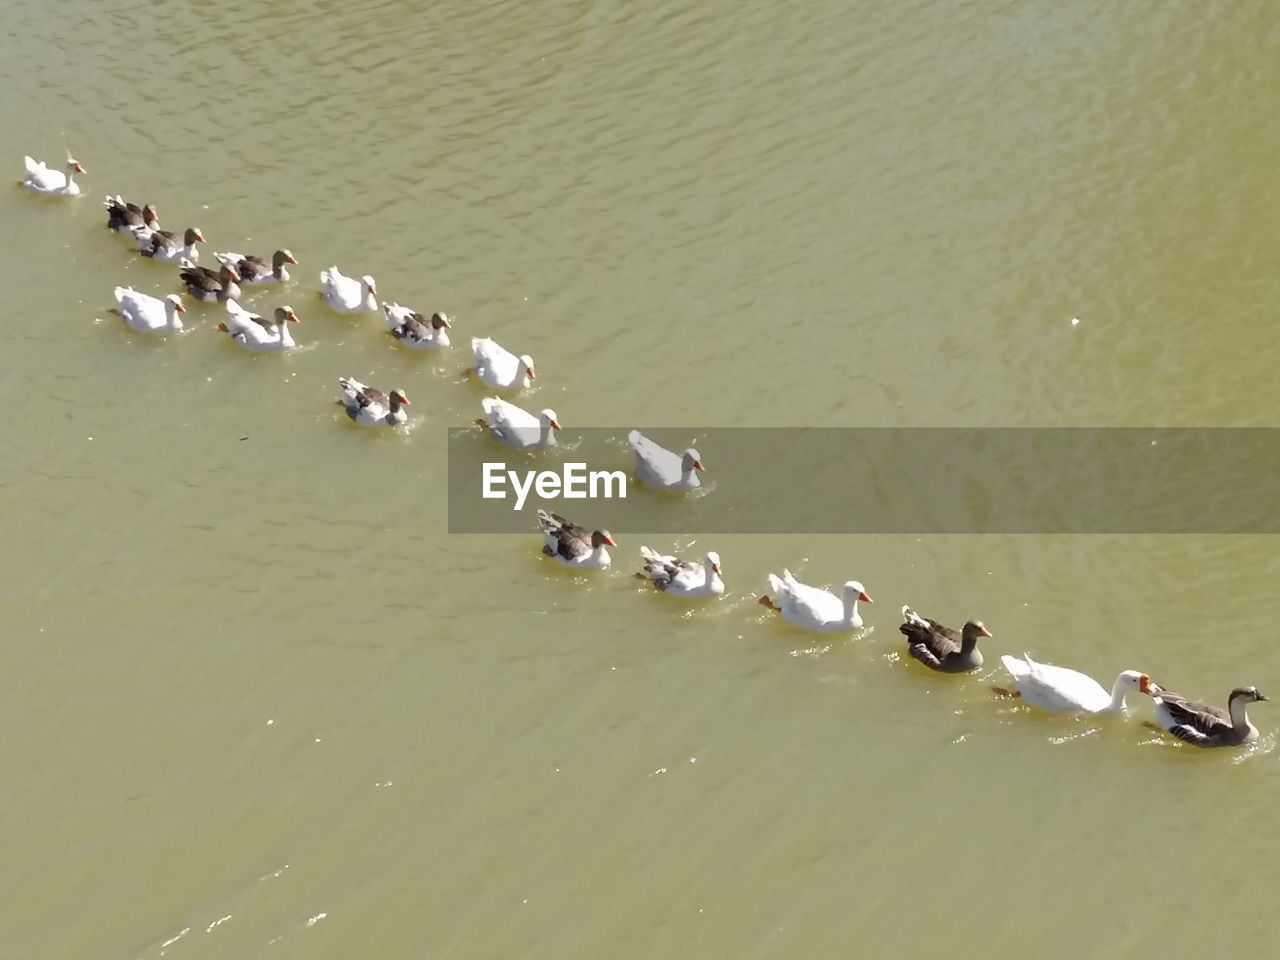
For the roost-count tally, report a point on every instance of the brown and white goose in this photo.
(165, 245)
(371, 407)
(256, 269)
(204, 284)
(573, 545)
(1204, 725)
(414, 330)
(940, 647)
(127, 217)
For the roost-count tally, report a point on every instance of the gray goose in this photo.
(371, 407)
(1203, 724)
(257, 270)
(126, 217)
(165, 245)
(413, 329)
(204, 284)
(940, 647)
(574, 545)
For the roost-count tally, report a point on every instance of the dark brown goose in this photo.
(940, 647)
(573, 545)
(1204, 725)
(125, 217)
(204, 284)
(256, 269)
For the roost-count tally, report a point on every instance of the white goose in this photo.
(516, 427)
(348, 293)
(498, 367)
(1061, 689)
(813, 608)
(661, 468)
(149, 314)
(54, 183)
(414, 330)
(252, 332)
(683, 578)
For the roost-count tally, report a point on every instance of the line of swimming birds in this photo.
(811, 608)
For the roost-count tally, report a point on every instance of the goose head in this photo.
(713, 562)
(192, 236)
(398, 399)
(526, 363)
(228, 272)
(440, 321)
(971, 632)
(853, 591)
(281, 257)
(549, 419)
(173, 304)
(1247, 695)
(602, 538)
(367, 282)
(691, 461)
(149, 215)
(73, 165)
(1133, 680)
(285, 314)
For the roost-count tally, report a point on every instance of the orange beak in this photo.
(405, 401)
(294, 318)
(179, 307)
(79, 169)
(445, 321)
(1144, 683)
(715, 568)
(199, 237)
(610, 541)
(531, 373)
(984, 632)
(293, 261)
(865, 597)
(697, 464)
(555, 424)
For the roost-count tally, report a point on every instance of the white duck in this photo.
(149, 314)
(414, 330)
(371, 407)
(53, 183)
(348, 293)
(516, 427)
(661, 468)
(813, 608)
(252, 332)
(572, 545)
(498, 367)
(1051, 687)
(683, 578)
